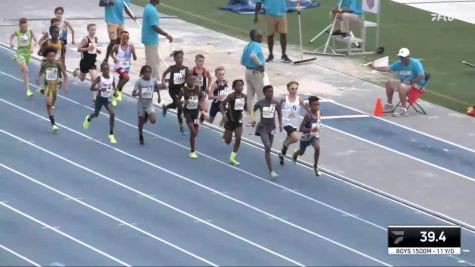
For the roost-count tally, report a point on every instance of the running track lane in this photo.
(245, 186)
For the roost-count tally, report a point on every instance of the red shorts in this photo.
(122, 72)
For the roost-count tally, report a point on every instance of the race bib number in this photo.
(23, 40)
(147, 92)
(224, 92)
(125, 64)
(51, 74)
(106, 92)
(315, 126)
(192, 102)
(239, 104)
(199, 80)
(292, 115)
(268, 112)
(179, 77)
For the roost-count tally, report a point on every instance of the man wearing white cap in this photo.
(411, 74)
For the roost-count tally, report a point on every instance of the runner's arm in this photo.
(82, 45)
(302, 125)
(304, 104)
(69, 26)
(157, 89)
(115, 50)
(222, 104)
(210, 90)
(279, 116)
(210, 80)
(40, 73)
(12, 37)
(35, 40)
(165, 74)
(94, 83)
(135, 92)
(43, 38)
(65, 77)
(133, 52)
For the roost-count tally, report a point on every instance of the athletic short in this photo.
(290, 129)
(22, 58)
(114, 30)
(232, 125)
(266, 132)
(276, 24)
(214, 109)
(86, 65)
(102, 101)
(122, 72)
(191, 116)
(51, 89)
(305, 143)
(264, 129)
(144, 107)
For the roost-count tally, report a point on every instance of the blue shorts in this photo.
(305, 143)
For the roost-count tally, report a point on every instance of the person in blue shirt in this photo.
(348, 12)
(150, 31)
(114, 13)
(253, 59)
(411, 74)
(276, 19)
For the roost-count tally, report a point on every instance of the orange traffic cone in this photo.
(378, 110)
(471, 111)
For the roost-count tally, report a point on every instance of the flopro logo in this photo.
(439, 17)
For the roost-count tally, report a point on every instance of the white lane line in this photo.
(226, 164)
(251, 174)
(64, 234)
(345, 117)
(120, 221)
(197, 184)
(19, 255)
(402, 154)
(408, 128)
(151, 198)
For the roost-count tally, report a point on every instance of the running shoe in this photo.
(317, 171)
(183, 131)
(388, 107)
(40, 90)
(270, 58)
(29, 93)
(285, 59)
(281, 159)
(114, 101)
(234, 162)
(295, 156)
(55, 128)
(112, 139)
(119, 96)
(164, 110)
(141, 141)
(86, 123)
(274, 176)
(400, 111)
(75, 72)
(193, 155)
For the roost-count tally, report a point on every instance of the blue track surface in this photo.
(151, 205)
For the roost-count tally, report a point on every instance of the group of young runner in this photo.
(189, 89)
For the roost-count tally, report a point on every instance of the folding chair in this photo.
(414, 95)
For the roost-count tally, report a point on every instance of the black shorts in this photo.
(290, 129)
(232, 125)
(214, 109)
(87, 64)
(191, 115)
(102, 101)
